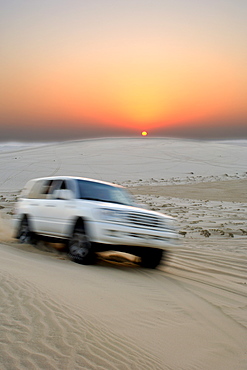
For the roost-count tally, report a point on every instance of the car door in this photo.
(38, 207)
(36, 199)
(58, 211)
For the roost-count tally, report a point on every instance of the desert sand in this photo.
(190, 313)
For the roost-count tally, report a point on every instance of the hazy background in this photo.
(78, 69)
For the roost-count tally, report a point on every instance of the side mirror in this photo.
(64, 194)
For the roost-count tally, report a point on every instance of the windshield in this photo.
(97, 191)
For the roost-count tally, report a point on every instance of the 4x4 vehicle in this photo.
(91, 216)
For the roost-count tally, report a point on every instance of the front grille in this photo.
(140, 219)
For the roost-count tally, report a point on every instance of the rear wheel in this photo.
(150, 257)
(80, 248)
(25, 235)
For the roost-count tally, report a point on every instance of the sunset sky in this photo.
(78, 69)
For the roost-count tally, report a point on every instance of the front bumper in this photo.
(118, 234)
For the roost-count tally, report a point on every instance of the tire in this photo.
(150, 257)
(25, 235)
(80, 248)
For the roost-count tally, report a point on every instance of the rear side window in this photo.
(44, 188)
(27, 189)
(39, 189)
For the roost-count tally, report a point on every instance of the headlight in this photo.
(111, 215)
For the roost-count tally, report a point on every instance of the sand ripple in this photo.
(38, 332)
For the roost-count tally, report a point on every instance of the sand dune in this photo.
(191, 313)
(227, 191)
(126, 161)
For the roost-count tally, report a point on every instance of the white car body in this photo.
(53, 206)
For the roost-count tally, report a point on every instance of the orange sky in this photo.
(93, 68)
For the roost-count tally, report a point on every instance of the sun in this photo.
(144, 133)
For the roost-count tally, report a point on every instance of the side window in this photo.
(56, 185)
(38, 190)
(41, 189)
(45, 188)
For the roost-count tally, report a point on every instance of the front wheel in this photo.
(80, 248)
(150, 257)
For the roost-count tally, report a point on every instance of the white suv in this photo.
(91, 216)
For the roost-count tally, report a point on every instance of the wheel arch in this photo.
(24, 216)
(79, 247)
(78, 221)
